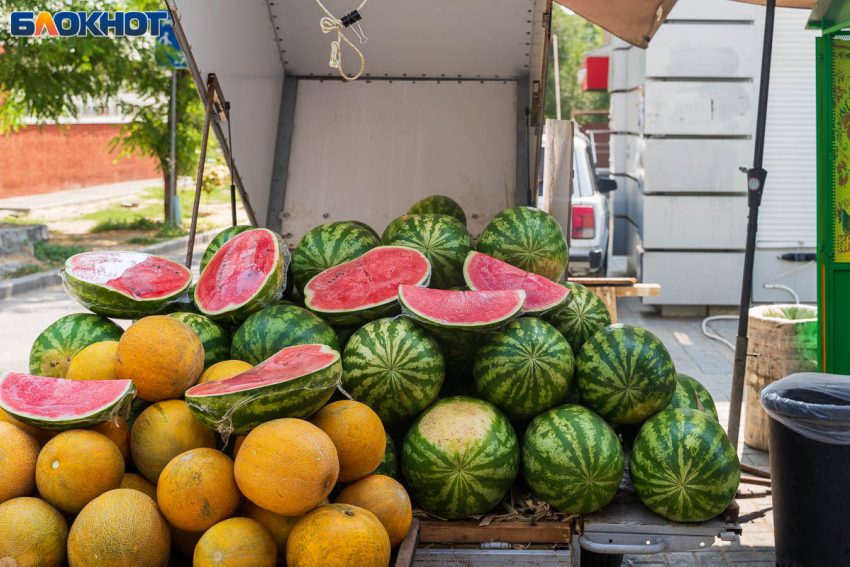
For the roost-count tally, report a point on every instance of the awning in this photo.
(635, 21)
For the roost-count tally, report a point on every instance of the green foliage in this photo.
(137, 223)
(54, 255)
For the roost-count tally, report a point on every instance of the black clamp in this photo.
(755, 185)
(350, 18)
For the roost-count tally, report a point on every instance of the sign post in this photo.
(168, 55)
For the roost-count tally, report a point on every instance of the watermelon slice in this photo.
(446, 310)
(543, 297)
(57, 404)
(125, 285)
(366, 288)
(295, 382)
(246, 274)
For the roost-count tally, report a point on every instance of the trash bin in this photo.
(809, 431)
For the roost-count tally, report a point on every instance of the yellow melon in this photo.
(278, 526)
(224, 370)
(163, 431)
(162, 355)
(32, 534)
(237, 542)
(118, 431)
(287, 466)
(184, 542)
(121, 527)
(77, 466)
(237, 444)
(95, 362)
(18, 458)
(358, 435)
(384, 497)
(338, 535)
(135, 481)
(41, 435)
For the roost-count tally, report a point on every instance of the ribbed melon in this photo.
(59, 343)
(385, 498)
(357, 435)
(32, 534)
(356, 536)
(95, 362)
(237, 542)
(18, 454)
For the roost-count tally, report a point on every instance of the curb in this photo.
(34, 282)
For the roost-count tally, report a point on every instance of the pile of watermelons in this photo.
(222, 420)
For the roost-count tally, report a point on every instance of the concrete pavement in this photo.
(27, 203)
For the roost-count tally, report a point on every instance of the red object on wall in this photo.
(594, 73)
(37, 160)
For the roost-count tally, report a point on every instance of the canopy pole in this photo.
(755, 186)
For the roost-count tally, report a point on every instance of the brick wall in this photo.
(52, 158)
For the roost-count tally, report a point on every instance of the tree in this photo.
(575, 37)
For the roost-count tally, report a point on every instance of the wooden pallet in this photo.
(609, 289)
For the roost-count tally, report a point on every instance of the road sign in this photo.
(168, 52)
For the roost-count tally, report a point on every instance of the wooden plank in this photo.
(639, 290)
(407, 549)
(591, 281)
(506, 532)
(558, 171)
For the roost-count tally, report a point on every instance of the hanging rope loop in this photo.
(330, 24)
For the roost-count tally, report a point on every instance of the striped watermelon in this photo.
(444, 241)
(389, 464)
(368, 228)
(54, 348)
(329, 245)
(572, 459)
(215, 339)
(625, 374)
(343, 334)
(529, 239)
(459, 349)
(263, 334)
(585, 314)
(389, 232)
(394, 367)
(524, 370)
(691, 394)
(448, 311)
(460, 457)
(683, 466)
(295, 382)
(219, 240)
(438, 205)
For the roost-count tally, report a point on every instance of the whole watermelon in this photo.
(572, 459)
(459, 350)
(268, 331)
(691, 394)
(54, 348)
(524, 370)
(215, 339)
(219, 240)
(329, 245)
(683, 466)
(389, 232)
(460, 457)
(438, 205)
(389, 464)
(394, 367)
(625, 374)
(371, 230)
(443, 239)
(585, 314)
(529, 239)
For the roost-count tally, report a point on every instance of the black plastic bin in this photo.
(809, 433)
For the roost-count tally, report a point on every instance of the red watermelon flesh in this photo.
(135, 274)
(485, 273)
(461, 309)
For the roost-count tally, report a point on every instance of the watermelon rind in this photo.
(445, 242)
(572, 459)
(274, 328)
(582, 316)
(267, 294)
(119, 406)
(441, 325)
(529, 239)
(683, 466)
(389, 232)
(215, 339)
(368, 228)
(460, 457)
(219, 240)
(58, 344)
(690, 393)
(525, 369)
(328, 245)
(625, 374)
(368, 311)
(241, 411)
(394, 367)
(103, 300)
(439, 205)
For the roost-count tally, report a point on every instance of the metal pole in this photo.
(197, 204)
(755, 186)
(173, 219)
(557, 76)
(232, 185)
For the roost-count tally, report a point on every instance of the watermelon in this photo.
(449, 310)
(444, 241)
(247, 274)
(524, 370)
(124, 284)
(215, 339)
(389, 464)
(529, 239)
(394, 367)
(691, 394)
(543, 298)
(57, 404)
(389, 232)
(439, 205)
(54, 348)
(295, 382)
(625, 374)
(572, 459)
(683, 466)
(367, 228)
(460, 457)
(265, 333)
(585, 314)
(366, 288)
(219, 240)
(329, 245)
(459, 349)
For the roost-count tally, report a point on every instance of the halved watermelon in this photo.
(125, 285)
(246, 274)
(295, 382)
(445, 309)
(543, 297)
(57, 404)
(366, 288)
